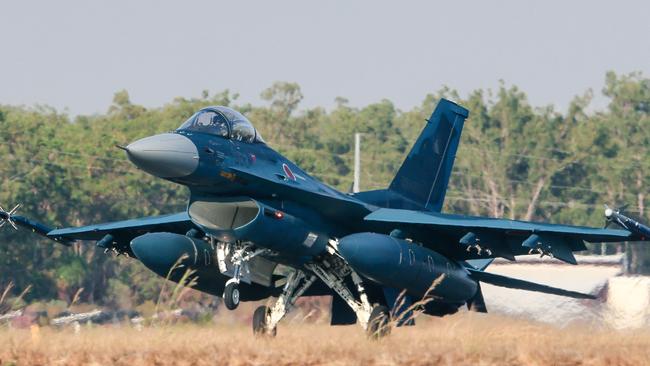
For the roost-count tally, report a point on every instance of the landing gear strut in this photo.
(378, 323)
(375, 320)
(241, 255)
(361, 308)
(265, 319)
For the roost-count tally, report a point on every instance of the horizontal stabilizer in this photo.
(509, 282)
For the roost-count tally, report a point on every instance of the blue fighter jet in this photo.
(257, 226)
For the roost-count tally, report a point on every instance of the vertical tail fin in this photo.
(424, 175)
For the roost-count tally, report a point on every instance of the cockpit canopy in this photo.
(222, 121)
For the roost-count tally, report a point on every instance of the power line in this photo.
(330, 176)
(462, 174)
(318, 175)
(13, 143)
(343, 156)
(78, 166)
(138, 198)
(546, 186)
(346, 156)
(95, 157)
(539, 203)
(81, 166)
(603, 164)
(572, 204)
(546, 158)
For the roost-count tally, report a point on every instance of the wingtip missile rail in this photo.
(14, 220)
(7, 216)
(637, 229)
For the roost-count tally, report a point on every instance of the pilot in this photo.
(219, 125)
(211, 122)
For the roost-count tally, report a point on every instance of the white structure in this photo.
(357, 162)
(624, 301)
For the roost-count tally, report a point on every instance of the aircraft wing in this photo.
(125, 231)
(481, 237)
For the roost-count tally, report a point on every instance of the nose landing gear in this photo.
(231, 295)
(237, 265)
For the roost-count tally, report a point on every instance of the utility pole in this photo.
(357, 162)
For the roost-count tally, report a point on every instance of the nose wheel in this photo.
(231, 295)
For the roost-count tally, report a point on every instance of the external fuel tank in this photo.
(401, 264)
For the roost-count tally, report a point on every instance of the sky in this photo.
(75, 54)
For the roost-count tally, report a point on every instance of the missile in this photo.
(638, 229)
(8, 216)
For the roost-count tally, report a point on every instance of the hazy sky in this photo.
(76, 54)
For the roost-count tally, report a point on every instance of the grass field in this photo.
(463, 339)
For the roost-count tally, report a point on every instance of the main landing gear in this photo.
(373, 319)
(378, 323)
(261, 318)
(265, 319)
(332, 270)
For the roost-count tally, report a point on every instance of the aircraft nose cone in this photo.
(168, 155)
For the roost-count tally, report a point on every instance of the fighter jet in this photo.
(257, 226)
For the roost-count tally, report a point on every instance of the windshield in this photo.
(223, 121)
(208, 122)
(242, 129)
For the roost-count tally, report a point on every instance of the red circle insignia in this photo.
(288, 172)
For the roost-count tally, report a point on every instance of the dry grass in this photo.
(463, 339)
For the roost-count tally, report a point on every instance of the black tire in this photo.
(231, 296)
(378, 323)
(259, 322)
